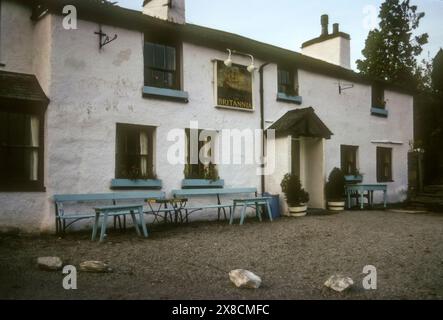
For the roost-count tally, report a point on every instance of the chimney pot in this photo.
(335, 28)
(324, 25)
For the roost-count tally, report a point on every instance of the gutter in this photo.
(262, 121)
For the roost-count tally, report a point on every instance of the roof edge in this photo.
(324, 38)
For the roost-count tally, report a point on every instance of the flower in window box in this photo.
(381, 103)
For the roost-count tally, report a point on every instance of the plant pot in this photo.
(298, 211)
(336, 206)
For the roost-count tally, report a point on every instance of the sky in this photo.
(289, 23)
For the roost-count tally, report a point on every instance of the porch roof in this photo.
(301, 123)
(22, 87)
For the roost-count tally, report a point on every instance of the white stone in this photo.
(245, 279)
(339, 283)
(50, 263)
(95, 267)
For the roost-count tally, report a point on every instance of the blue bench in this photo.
(64, 220)
(187, 193)
(254, 203)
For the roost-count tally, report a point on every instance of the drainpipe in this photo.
(262, 120)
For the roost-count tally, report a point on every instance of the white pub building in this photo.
(88, 105)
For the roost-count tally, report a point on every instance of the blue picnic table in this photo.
(360, 189)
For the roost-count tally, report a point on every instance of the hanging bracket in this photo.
(344, 86)
(104, 39)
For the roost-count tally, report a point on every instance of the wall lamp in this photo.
(228, 62)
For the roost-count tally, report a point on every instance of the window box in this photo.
(283, 97)
(202, 183)
(167, 94)
(354, 178)
(136, 184)
(379, 112)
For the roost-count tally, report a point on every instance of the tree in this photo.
(423, 74)
(437, 73)
(391, 50)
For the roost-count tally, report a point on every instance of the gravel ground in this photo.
(293, 256)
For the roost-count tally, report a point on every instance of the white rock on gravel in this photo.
(95, 266)
(245, 279)
(339, 283)
(50, 263)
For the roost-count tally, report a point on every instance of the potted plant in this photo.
(296, 196)
(335, 189)
(199, 176)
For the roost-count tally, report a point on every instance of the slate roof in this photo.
(21, 86)
(301, 123)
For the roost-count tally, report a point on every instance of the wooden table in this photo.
(118, 211)
(251, 202)
(360, 189)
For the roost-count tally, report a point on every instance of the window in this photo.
(21, 151)
(384, 164)
(134, 152)
(200, 155)
(161, 66)
(287, 81)
(378, 96)
(349, 159)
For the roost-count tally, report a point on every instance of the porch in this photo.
(300, 149)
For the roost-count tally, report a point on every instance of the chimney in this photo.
(324, 25)
(170, 10)
(332, 47)
(335, 28)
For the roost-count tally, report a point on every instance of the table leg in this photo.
(258, 211)
(362, 199)
(385, 199)
(134, 221)
(231, 220)
(372, 199)
(142, 221)
(104, 223)
(218, 209)
(268, 206)
(348, 194)
(94, 228)
(243, 214)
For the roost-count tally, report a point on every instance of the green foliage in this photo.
(424, 74)
(335, 187)
(294, 193)
(437, 73)
(391, 50)
(208, 172)
(134, 173)
(107, 2)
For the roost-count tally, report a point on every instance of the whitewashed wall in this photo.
(16, 37)
(92, 90)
